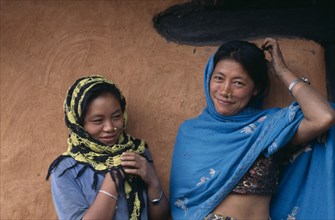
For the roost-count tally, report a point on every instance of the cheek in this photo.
(244, 96)
(213, 88)
(93, 130)
(119, 123)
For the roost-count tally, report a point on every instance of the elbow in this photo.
(328, 120)
(333, 119)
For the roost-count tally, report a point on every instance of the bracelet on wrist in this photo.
(295, 82)
(108, 194)
(158, 200)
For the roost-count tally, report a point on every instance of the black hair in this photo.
(252, 60)
(96, 91)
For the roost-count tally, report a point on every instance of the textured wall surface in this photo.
(47, 45)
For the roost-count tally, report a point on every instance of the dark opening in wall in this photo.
(212, 22)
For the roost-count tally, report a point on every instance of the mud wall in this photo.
(47, 45)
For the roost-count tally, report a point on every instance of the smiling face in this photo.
(231, 88)
(104, 119)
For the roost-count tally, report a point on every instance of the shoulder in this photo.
(189, 123)
(66, 162)
(68, 167)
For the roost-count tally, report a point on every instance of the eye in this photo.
(217, 77)
(97, 121)
(239, 83)
(117, 116)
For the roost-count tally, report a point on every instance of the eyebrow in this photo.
(100, 115)
(117, 111)
(218, 73)
(223, 74)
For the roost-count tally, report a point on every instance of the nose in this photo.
(225, 88)
(109, 126)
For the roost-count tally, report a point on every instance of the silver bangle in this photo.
(157, 201)
(108, 194)
(295, 82)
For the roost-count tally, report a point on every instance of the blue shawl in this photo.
(307, 187)
(212, 153)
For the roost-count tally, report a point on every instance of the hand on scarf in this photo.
(278, 65)
(134, 163)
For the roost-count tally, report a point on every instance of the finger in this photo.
(127, 153)
(128, 156)
(269, 39)
(267, 46)
(269, 42)
(132, 171)
(265, 42)
(133, 164)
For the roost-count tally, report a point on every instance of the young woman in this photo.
(224, 163)
(105, 173)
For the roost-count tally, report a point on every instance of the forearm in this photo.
(104, 205)
(160, 210)
(318, 114)
(138, 165)
(314, 106)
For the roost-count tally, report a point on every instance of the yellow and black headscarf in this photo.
(94, 154)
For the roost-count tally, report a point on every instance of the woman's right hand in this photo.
(104, 205)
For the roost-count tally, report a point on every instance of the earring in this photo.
(115, 128)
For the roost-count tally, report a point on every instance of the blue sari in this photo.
(212, 153)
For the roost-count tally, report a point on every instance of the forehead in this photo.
(104, 102)
(230, 67)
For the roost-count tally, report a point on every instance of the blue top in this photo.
(73, 196)
(212, 152)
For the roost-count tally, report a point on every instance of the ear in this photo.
(255, 92)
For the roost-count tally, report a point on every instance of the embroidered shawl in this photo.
(93, 153)
(307, 187)
(212, 152)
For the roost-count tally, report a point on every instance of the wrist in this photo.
(283, 74)
(157, 200)
(295, 82)
(110, 195)
(109, 185)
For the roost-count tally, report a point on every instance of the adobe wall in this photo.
(47, 45)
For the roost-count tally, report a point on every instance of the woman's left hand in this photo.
(277, 63)
(134, 163)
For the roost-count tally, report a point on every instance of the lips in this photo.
(223, 101)
(108, 139)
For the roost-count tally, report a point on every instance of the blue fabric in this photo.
(307, 188)
(73, 196)
(212, 152)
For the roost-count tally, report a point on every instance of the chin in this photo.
(226, 114)
(223, 112)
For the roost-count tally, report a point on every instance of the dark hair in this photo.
(96, 91)
(253, 61)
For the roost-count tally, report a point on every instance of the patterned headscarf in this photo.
(94, 154)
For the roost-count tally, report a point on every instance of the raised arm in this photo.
(319, 116)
